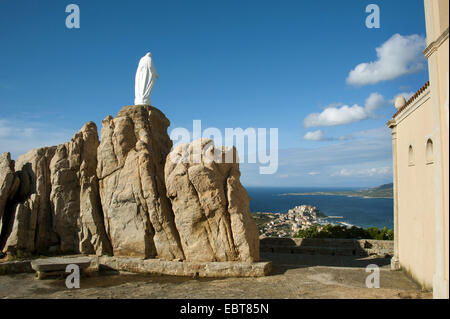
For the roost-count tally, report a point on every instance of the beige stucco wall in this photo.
(443, 87)
(443, 100)
(416, 194)
(437, 23)
(440, 13)
(421, 190)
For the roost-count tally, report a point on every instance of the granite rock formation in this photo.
(28, 225)
(57, 205)
(75, 198)
(211, 206)
(9, 184)
(126, 196)
(131, 156)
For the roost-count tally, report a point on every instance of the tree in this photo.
(343, 232)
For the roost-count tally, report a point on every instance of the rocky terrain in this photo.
(127, 194)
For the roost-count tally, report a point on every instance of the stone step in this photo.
(56, 265)
(59, 263)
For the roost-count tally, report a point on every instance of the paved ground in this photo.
(294, 276)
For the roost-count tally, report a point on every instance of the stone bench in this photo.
(57, 265)
(186, 268)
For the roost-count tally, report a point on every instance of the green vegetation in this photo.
(386, 190)
(321, 214)
(338, 231)
(262, 219)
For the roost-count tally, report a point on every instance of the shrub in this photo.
(343, 232)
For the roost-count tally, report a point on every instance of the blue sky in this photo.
(284, 64)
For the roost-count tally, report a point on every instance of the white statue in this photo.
(145, 80)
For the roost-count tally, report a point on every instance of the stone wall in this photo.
(325, 246)
(15, 267)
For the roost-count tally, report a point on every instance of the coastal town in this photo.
(287, 225)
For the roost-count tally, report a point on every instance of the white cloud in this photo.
(373, 102)
(8, 129)
(398, 56)
(313, 173)
(380, 133)
(342, 172)
(383, 133)
(365, 172)
(21, 136)
(319, 135)
(345, 114)
(371, 149)
(314, 136)
(336, 116)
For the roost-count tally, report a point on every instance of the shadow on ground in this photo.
(286, 254)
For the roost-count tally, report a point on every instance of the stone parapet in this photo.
(15, 267)
(328, 246)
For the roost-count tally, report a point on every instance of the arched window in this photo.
(429, 152)
(410, 156)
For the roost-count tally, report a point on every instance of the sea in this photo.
(357, 211)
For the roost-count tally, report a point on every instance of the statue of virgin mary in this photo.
(145, 80)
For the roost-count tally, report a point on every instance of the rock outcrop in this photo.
(131, 156)
(75, 198)
(57, 205)
(22, 226)
(30, 223)
(9, 184)
(126, 196)
(211, 206)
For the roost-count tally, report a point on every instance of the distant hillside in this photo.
(386, 190)
(383, 191)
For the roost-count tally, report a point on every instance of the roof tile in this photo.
(412, 98)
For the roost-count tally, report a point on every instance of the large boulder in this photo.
(57, 204)
(211, 206)
(23, 223)
(9, 184)
(131, 156)
(30, 226)
(75, 199)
